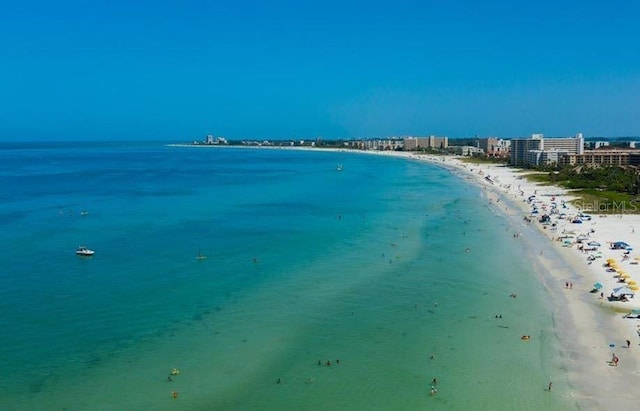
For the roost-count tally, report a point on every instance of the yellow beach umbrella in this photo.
(625, 275)
(634, 287)
(613, 260)
(631, 282)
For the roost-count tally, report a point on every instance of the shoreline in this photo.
(585, 325)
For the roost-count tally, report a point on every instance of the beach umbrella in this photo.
(634, 287)
(595, 244)
(631, 282)
(597, 286)
(625, 275)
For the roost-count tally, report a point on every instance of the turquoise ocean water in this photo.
(367, 268)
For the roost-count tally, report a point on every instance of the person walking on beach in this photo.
(550, 384)
(628, 344)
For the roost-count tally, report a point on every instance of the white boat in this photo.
(82, 250)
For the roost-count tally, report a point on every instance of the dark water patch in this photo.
(13, 216)
(36, 387)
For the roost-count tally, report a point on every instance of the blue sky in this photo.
(178, 70)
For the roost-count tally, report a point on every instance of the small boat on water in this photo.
(84, 251)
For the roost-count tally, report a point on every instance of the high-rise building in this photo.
(414, 143)
(520, 148)
(548, 150)
(574, 145)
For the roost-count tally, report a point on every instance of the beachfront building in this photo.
(544, 158)
(431, 142)
(467, 150)
(570, 144)
(391, 144)
(386, 144)
(540, 151)
(520, 148)
(603, 157)
(494, 147)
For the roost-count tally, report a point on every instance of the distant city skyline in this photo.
(177, 71)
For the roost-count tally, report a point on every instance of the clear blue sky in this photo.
(178, 70)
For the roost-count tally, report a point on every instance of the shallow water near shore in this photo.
(391, 270)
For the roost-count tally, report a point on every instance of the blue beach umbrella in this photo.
(597, 286)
